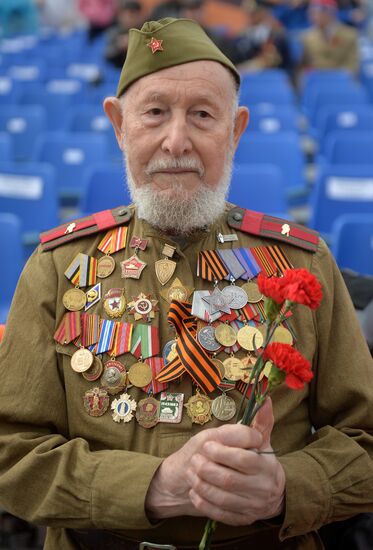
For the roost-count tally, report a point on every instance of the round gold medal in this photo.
(74, 299)
(95, 371)
(246, 335)
(253, 293)
(225, 335)
(220, 366)
(140, 374)
(105, 266)
(177, 293)
(81, 360)
(282, 335)
(233, 368)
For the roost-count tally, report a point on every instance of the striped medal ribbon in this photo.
(114, 240)
(191, 357)
(82, 271)
(210, 266)
(90, 329)
(248, 261)
(69, 328)
(123, 338)
(145, 341)
(156, 364)
(107, 335)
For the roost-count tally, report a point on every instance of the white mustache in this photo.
(181, 163)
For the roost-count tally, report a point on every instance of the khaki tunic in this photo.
(65, 469)
(341, 51)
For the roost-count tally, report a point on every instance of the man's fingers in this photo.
(263, 423)
(232, 435)
(212, 511)
(243, 460)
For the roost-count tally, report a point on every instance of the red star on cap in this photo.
(155, 45)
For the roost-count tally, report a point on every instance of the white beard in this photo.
(181, 214)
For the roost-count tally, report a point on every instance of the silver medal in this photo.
(236, 297)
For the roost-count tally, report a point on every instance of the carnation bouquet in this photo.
(282, 362)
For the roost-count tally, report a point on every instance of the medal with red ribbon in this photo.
(69, 328)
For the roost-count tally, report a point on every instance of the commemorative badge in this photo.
(171, 407)
(93, 296)
(249, 338)
(105, 266)
(206, 337)
(218, 302)
(233, 368)
(132, 268)
(169, 352)
(115, 302)
(123, 408)
(199, 408)
(147, 412)
(114, 377)
(74, 299)
(236, 297)
(253, 293)
(140, 374)
(165, 268)
(177, 291)
(96, 401)
(94, 372)
(143, 307)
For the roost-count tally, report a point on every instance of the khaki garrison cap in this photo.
(166, 43)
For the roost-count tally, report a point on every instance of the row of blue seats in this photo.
(30, 191)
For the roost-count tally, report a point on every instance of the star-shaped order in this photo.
(155, 45)
(217, 302)
(143, 307)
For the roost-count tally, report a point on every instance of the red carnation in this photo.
(297, 369)
(299, 285)
(271, 287)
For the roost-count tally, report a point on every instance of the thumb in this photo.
(263, 422)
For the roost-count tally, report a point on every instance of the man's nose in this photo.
(177, 141)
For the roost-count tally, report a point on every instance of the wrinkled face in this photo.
(178, 129)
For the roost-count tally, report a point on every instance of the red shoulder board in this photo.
(82, 227)
(263, 225)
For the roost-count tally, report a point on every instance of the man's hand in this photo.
(221, 474)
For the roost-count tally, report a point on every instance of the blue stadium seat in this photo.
(338, 190)
(34, 71)
(282, 120)
(91, 118)
(348, 94)
(345, 118)
(104, 187)
(259, 187)
(10, 91)
(282, 149)
(270, 77)
(349, 147)
(12, 260)
(29, 191)
(23, 124)
(6, 147)
(56, 97)
(317, 79)
(71, 154)
(262, 93)
(353, 242)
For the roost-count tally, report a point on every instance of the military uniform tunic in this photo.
(65, 469)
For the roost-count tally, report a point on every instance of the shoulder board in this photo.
(263, 225)
(82, 227)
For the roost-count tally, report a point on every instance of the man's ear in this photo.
(240, 124)
(113, 110)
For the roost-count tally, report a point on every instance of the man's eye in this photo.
(155, 111)
(203, 114)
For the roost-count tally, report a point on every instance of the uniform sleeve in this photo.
(46, 477)
(332, 477)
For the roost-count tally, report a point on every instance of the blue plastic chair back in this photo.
(71, 154)
(29, 191)
(282, 149)
(319, 79)
(275, 77)
(10, 91)
(104, 187)
(349, 147)
(266, 93)
(342, 95)
(281, 121)
(259, 187)
(6, 147)
(23, 124)
(353, 242)
(12, 260)
(91, 118)
(345, 118)
(340, 190)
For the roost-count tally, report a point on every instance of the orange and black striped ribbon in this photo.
(265, 260)
(210, 266)
(279, 257)
(191, 357)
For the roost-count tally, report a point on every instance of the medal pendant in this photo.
(220, 366)
(249, 335)
(96, 402)
(105, 266)
(236, 297)
(223, 408)
(74, 299)
(253, 293)
(177, 291)
(114, 377)
(132, 268)
(81, 360)
(282, 335)
(95, 371)
(169, 352)
(164, 269)
(147, 412)
(123, 408)
(225, 335)
(171, 407)
(115, 303)
(140, 374)
(206, 337)
(233, 368)
(199, 408)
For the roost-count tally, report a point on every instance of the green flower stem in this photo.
(207, 535)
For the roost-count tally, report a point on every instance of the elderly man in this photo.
(96, 441)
